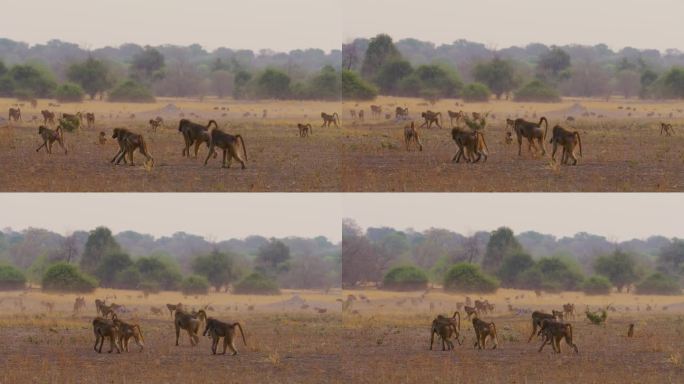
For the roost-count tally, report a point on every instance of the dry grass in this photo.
(621, 152)
(278, 160)
(285, 343)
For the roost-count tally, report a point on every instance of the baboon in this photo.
(531, 131)
(558, 314)
(455, 115)
(49, 136)
(469, 143)
(537, 318)
(103, 328)
(128, 143)
(190, 323)
(218, 329)
(376, 111)
(553, 331)
(445, 327)
(98, 306)
(361, 114)
(102, 138)
(569, 310)
(430, 118)
(330, 119)
(630, 331)
(14, 114)
(470, 311)
(126, 331)
(79, 303)
(509, 138)
(352, 113)
(174, 307)
(664, 127)
(194, 133)
(156, 311)
(48, 117)
(154, 124)
(90, 119)
(230, 145)
(305, 129)
(401, 113)
(411, 134)
(483, 330)
(264, 114)
(568, 140)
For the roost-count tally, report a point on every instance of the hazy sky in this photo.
(617, 216)
(281, 25)
(215, 216)
(502, 23)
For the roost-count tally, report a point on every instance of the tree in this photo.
(628, 83)
(513, 267)
(476, 92)
(92, 75)
(498, 75)
(557, 274)
(405, 278)
(100, 243)
(537, 91)
(432, 82)
(11, 278)
(155, 270)
(350, 56)
(256, 284)
(69, 93)
(63, 277)
(223, 82)
(553, 65)
(468, 278)
(597, 285)
(147, 65)
(31, 81)
(658, 284)
(325, 85)
(110, 266)
(131, 91)
(217, 267)
(380, 50)
(355, 88)
(274, 84)
(391, 73)
(501, 244)
(273, 258)
(673, 81)
(242, 79)
(195, 285)
(671, 258)
(619, 268)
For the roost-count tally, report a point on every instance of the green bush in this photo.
(132, 92)
(195, 285)
(537, 91)
(63, 277)
(597, 285)
(354, 88)
(69, 93)
(69, 125)
(468, 278)
(11, 278)
(476, 92)
(405, 278)
(658, 284)
(128, 278)
(256, 284)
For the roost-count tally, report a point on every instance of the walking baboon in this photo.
(154, 124)
(568, 140)
(126, 331)
(305, 129)
(194, 133)
(174, 307)
(361, 114)
(90, 119)
(231, 147)
(156, 311)
(352, 113)
(103, 328)
(630, 331)
(469, 143)
(48, 117)
(664, 127)
(455, 115)
(190, 323)
(128, 143)
(445, 327)
(79, 303)
(14, 114)
(49, 136)
(430, 118)
(483, 330)
(98, 306)
(531, 131)
(102, 138)
(401, 113)
(330, 119)
(537, 318)
(470, 311)
(411, 135)
(569, 310)
(376, 111)
(553, 331)
(218, 329)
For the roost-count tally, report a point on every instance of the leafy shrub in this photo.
(537, 91)
(273, 84)
(475, 92)
(256, 284)
(597, 285)
(128, 278)
(69, 93)
(553, 274)
(467, 278)
(11, 278)
(658, 284)
(405, 278)
(132, 92)
(63, 277)
(195, 285)
(355, 88)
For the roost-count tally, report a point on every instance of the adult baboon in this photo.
(531, 131)
(103, 328)
(128, 143)
(48, 117)
(569, 310)
(98, 306)
(14, 114)
(483, 330)
(49, 136)
(361, 114)
(469, 143)
(174, 307)
(630, 331)
(90, 119)
(664, 127)
(470, 311)
(330, 119)
(190, 323)
(411, 135)
(558, 314)
(79, 303)
(194, 133)
(156, 311)
(126, 331)
(230, 144)
(455, 115)
(430, 118)
(568, 140)
(218, 329)
(154, 124)
(352, 113)
(401, 113)
(305, 130)
(537, 318)
(376, 111)
(102, 138)
(445, 327)
(264, 114)
(553, 331)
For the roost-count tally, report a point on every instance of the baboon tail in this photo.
(496, 335)
(212, 122)
(579, 141)
(310, 131)
(457, 314)
(242, 143)
(236, 324)
(140, 331)
(484, 142)
(546, 125)
(337, 117)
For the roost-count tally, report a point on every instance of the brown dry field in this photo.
(285, 343)
(621, 153)
(387, 340)
(278, 159)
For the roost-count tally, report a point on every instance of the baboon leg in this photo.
(534, 331)
(519, 145)
(541, 144)
(432, 338)
(101, 343)
(44, 145)
(225, 344)
(197, 145)
(97, 338)
(214, 344)
(242, 162)
(61, 144)
(49, 147)
(231, 345)
(177, 334)
(553, 152)
(544, 342)
(117, 155)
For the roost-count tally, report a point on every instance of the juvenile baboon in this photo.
(218, 329)
(455, 115)
(568, 140)
(531, 131)
(470, 311)
(49, 136)
(126, 331)
(14, 114)
(483, 330)
(154, 124)
(630, 331)
(190, 323)
(553, 331)
(305, 130)
(102, 138)
(569, 310)
(445, 327)
(128, 143)
(79, 303)
(174, 307)
(330, 119)
(509, 137)
(156, 311)
(376, 111)
(469, 143)
(103, 328)
(230, 144)
(411, 135)
(98, 306)
(361, 114)
(264, 114)
(352, 113)
(537, 318)
(664, 127)
(401, 113)
(90, 119)
(48, 117)
(194, 133)
(430, 118)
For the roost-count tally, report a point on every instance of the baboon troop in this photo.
(128, 143)
(49, 136)
(569, 140)
(430, 118)
(445, 327)
(189, 323)
(531, 131)
(218, 329)
(304, 129)
(330, 119)
(15, 114)
(196, 134)
(484, 330)
(230, 144)
(553, 332)
(411, 135)
(401, 113)
(376, 111)
(664, 127)
(470, 144)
